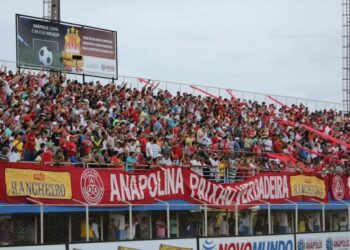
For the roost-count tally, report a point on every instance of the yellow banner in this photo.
(167, 247)
(38, 184)
(126, 248)
(310, 186)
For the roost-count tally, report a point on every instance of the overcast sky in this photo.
(286, 47)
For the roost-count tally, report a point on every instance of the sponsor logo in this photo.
(91, 66)
(109, 68)
(249, 245)
(338, 188)
(301, 244)
(208, 245)
(309, 244)
(342, 243)
(91, 186)
(329, 243)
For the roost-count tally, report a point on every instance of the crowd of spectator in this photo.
(49, 119)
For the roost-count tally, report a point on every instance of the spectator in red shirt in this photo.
(29, 145)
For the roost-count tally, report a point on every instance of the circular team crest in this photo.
(338, 188)
(91, 186)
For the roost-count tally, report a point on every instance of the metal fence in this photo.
(174, 87)
(24, 224)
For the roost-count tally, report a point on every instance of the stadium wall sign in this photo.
(66, 46)
(323, 241)
(36, 247)
(280, 242)
(164, 244)
(67, 185)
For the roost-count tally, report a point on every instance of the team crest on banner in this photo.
(92, 186)
(338, 188)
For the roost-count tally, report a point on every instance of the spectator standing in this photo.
(160, 228)
(343, 224)
(29, 145)
(144, 229)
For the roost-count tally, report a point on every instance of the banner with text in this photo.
(323, 241)
(164, 244)
(65, 46)
(56, 185)
(280, 242)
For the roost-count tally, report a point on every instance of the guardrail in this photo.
(174, 87)
(28, 224)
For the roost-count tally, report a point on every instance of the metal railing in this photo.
(174, 87)
(24, 224)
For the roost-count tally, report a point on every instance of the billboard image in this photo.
(280, 242)
(323, 241)
(165, 244)
(65, 46)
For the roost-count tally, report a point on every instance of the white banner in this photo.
(275, 242)
(323, 241)
(178, 244)
(47, 247)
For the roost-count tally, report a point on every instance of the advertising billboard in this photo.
(323, 241)
(176, 244)
(37, 247)
(277, 242)
(65, 46)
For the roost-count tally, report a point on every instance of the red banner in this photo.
(69, 185)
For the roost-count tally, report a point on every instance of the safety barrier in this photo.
(204, 90)
(31, 224)
(310, 241)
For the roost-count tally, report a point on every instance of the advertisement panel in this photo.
(65, 46)
(277, 242)
(178, 244)
(38, 184)
(37, 247)
(310, 186)
(53, 185)
(323, 241)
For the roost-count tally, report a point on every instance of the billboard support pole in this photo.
(268, 215)
(130, 220)
(323, 218)
(70, 228)
(87, 225)
(41, 219)
(323, 214)
(348, 216)
(236, 220)
(167, 216)
(206, 220)
(296, 216)
(83, 78)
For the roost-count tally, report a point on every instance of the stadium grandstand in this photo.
(133, 163)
